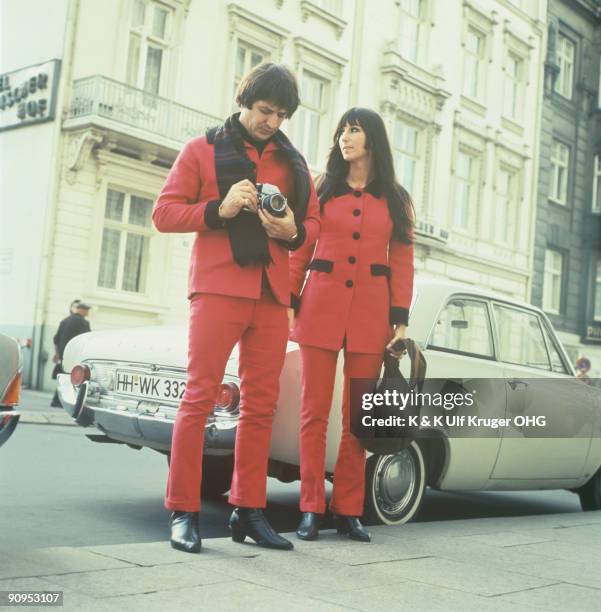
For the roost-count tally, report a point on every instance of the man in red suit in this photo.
(238, 290)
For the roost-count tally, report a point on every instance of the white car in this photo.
(127, 385)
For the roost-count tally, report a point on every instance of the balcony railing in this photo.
(103, 97)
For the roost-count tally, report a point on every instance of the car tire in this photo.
(590, 493)
(394, 486)
(217, 473)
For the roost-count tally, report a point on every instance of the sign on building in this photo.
(28, 95)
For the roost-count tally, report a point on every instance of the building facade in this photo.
(567, 250)
(459, 84)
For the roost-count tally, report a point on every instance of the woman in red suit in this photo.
(356, 298)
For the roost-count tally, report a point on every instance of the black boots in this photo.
(251, 522)
(184, 531)
(308, 528)
(351, 526)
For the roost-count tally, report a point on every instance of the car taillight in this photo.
(13, 391)
(79, 374)
(228, 397)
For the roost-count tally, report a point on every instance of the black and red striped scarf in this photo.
(248, 239)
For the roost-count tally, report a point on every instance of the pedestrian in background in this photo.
(359, 288)
(68, 328)
(583, 365)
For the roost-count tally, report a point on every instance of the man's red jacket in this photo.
(188, 202)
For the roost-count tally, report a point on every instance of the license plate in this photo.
(149, 386)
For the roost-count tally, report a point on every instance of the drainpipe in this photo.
(357, 52)
(40, 353)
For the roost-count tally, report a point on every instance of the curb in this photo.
(46, 418)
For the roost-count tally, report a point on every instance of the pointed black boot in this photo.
(351, 526)
(308, 528)
(184, 531)
(252, 523)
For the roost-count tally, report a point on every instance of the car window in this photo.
(557, 364)
(520, 338)
(463, 325)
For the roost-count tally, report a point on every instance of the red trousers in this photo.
(318, 373)
(217, 323)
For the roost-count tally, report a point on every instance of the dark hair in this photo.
(270, 82)
(399, 201)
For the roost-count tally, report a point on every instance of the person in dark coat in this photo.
(68, 328)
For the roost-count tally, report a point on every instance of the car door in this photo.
(538, 385)
(461, 348)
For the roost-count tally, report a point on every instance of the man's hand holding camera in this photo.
(244, 195)
(241, 195)
(280, 228)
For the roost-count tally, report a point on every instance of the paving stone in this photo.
(560, 570)
(56, 560)
(556, 597)
(382, 548)
(134, 580)
(417, 597)
(503, 539)
(298, 573)
(230, 597)
(161, 553)
(569, 551)
(469, 577)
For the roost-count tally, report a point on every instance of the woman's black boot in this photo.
(308, 528)
(252, 523)
(351, 526)
(184, 531)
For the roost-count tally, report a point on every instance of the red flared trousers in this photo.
(318, 372)
(217, 323)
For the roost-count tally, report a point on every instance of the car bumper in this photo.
(8, 423)
(138, 423)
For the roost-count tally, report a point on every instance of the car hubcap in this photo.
(396, 482)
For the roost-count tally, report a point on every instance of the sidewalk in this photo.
(34, 407)
(548, 562)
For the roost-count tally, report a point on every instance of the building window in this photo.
(552, 281)
(247, 57)
(597, 185)
(472, 64)
(597, 294)
(465, 189)
(409, 35)
(505, 205)
(463, 326)
(125, 240)
(565, 59)
(512, 94)
(309, 116)
(560, 167)
(331, 6)
(148, 44)
(405, 145)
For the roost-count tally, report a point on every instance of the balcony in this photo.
(128, 115)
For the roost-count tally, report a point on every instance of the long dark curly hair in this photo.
(399, 201)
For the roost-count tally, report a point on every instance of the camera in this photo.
(271, 200)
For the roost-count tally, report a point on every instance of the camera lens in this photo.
(277, 202)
